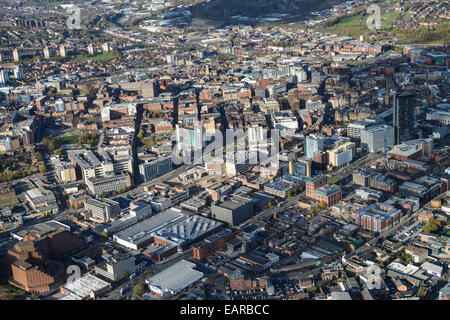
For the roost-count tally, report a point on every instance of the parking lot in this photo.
(286, 288)
(409, 231)
(256, 294)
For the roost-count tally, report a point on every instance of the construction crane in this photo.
(21, 82)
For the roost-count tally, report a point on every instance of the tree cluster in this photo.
(433, 226)
(50, 143)
(139, 289)
(87, 137)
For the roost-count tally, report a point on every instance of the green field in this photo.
(350, 21)
(388, 19)
(100, 57)
(52, 3)
(68, 140)
(9, 202)
(350, 25)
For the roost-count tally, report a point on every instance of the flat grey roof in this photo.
(51, 225)
(187, 229)
(143, 230)
(233, 202)
(176, 277)
(340, 296)
(102, 202)
(82, 287)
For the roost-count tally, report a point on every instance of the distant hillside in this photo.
(411, 25)
(224, 9)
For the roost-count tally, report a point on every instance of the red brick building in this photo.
(243, 282)
(32, 267)
(314, 183)
(7, 192)
(212, 244)
(329, 194)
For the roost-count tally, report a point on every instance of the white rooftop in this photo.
(340, 296)
(143, 230)
(176, 277)
(187, 229)
(408, 269)
(432, 268)
(83, 286)
(34, 193)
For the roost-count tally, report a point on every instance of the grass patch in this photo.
(9, 202)
(68, 140)
(350, 30)
(422, 292)
(350, 21)
(333, 180)
(388, 19)
(51, 3)
(100, 57)
(12, 290)
(351, 26)
(425, 37)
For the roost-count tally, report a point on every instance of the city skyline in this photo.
(203, 150)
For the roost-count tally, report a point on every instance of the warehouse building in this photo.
(328, 194)
(44, 227)
(85, 287)
(42, 200)
(141, 234)
(174, 279)
(212, 244)
(185, 231)
(168, 229)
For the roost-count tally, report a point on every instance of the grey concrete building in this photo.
(233, 210)
(108, 184)
(102, 210)
(153, 169)
(116, 267)
(372, 138)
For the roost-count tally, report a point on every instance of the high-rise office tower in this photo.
(313, 144)
(18, 74)
(91, 49)
(62, 51)
(16, 55)
(106, 48)
(403, 109)
(4, 79)
(46, 53)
